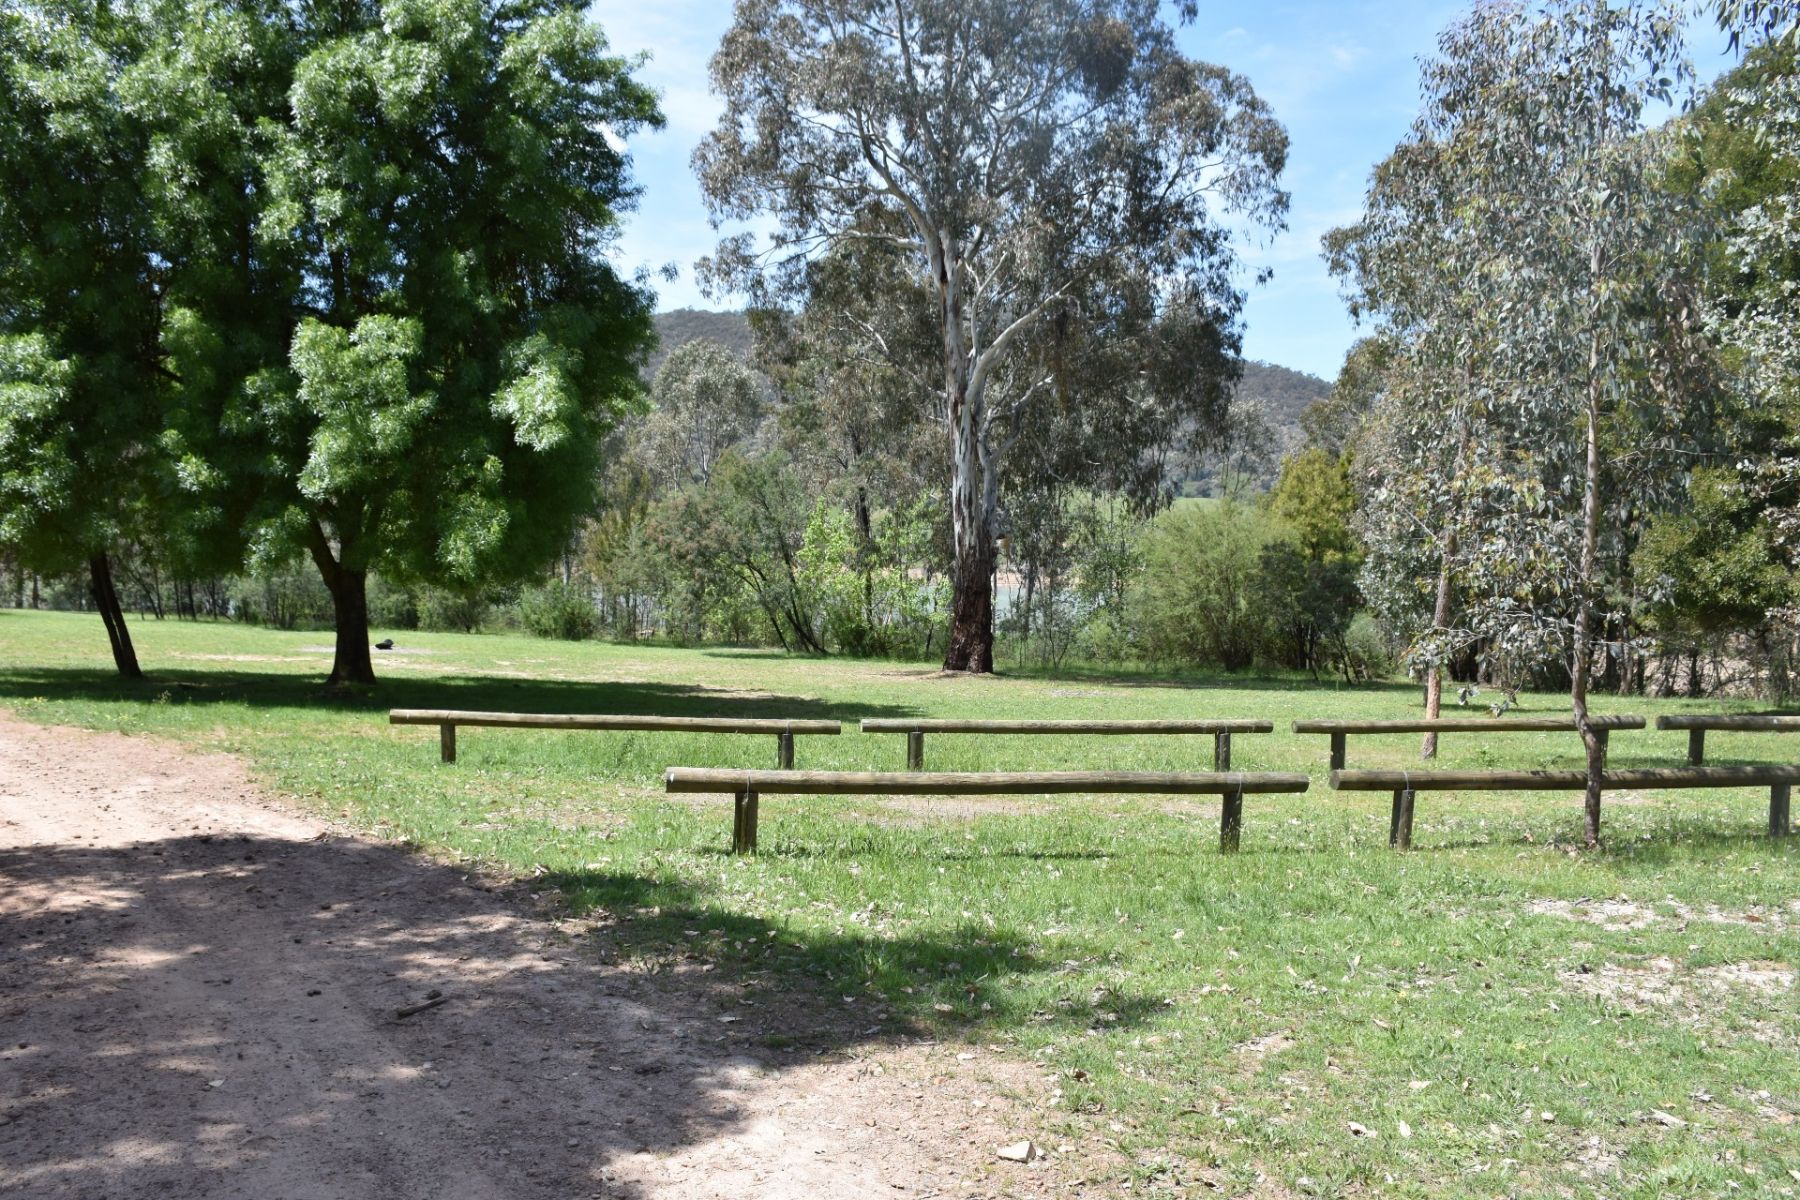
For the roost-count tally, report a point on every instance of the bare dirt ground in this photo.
(199, 993)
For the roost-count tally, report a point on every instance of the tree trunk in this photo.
(972, 610)
(1590, 543)
(350, 661)
(865, 557)
(971, 645)
(1440, 619)
(974, 486)
(106, 600)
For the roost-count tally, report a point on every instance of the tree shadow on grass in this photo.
(280, 690)
(139, 975)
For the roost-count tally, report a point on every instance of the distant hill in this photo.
(1283, 393)
(731, 329)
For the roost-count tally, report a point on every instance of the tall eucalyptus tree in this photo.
(1053, 171)
(1579, 273)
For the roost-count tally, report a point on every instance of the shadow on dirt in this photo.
(212, 1016)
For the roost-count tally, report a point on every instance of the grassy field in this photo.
(1495, 1014)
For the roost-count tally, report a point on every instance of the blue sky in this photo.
(1341, 76)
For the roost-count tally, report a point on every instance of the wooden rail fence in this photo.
(448, 719)
(916, 729)
(1698, 725)
(1405, 784)
(1339, 730)
(746, 786)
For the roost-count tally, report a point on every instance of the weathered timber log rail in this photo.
(447, 720)
(916, 729)
(746, 786)
(1405, 784)
(1697, 726)
(1339, 730)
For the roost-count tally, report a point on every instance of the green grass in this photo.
(1221, 1020)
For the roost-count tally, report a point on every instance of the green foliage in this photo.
(335, 276)
(392, 606)
(559, 610)
(450, 610)
(1204, 597)
(1090, 254)
(705, 400)
(1713, 566)
(284, 597)
(1545, 380)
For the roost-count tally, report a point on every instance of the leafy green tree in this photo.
(1725, 565)
(704, 401)
(445, 341)
(1335, 423)
(1533, 160)
(80, 303)
(1315, 566)
(1203, 595)
(1050, 176)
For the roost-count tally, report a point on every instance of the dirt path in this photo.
(198, 993)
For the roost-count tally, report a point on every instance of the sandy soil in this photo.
(198, 998)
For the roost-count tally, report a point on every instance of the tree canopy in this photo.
(1052, 177)
(347, 271)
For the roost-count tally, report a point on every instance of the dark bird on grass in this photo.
(385, 644)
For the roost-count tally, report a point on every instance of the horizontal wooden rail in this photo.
(447, 719)
(1752, 721)
(916, 729)
(982, 783)
(1562, 780)
(1340, 729)
(747, 786)
(1405, 784)
(1697, 724)
(1468, 725)
(955, 725)
(434, 716)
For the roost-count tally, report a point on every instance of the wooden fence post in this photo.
(1400, 820)
(1337, 751)
(915, 750)
(1231, 819)
(447, 742)
(784, 751)
(1221, 752)
(743, 824)
(1778, 809)
(1696, 747)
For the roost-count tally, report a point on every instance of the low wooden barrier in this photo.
(915, 731)
(746, 786)
(1339, 730)
(447, 720)
(1405, 784)
(1698, 725)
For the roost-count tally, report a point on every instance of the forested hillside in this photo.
(682, 325)
(1282, 394)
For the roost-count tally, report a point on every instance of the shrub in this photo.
(1205, 599)
(1369, 649)
(446, 611)
(559, 610)
(391, 606)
